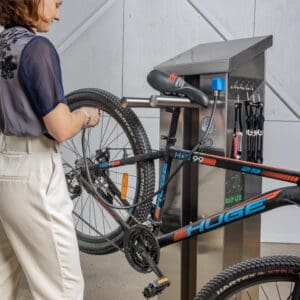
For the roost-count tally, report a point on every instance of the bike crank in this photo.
(142, 251)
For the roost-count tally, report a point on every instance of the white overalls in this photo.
(37, 234)
(36, 229)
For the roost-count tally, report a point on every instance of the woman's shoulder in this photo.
(40, 44)
(39, 51)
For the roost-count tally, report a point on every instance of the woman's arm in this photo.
(62, 124)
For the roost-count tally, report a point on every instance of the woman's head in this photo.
(37, 14)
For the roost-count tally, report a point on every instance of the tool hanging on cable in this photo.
(254, 129)
(259, 145)
(237, 143)
(249, 129)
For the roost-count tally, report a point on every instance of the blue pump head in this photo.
(218, 84)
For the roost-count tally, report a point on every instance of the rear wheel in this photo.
(118, 135)
(274, 277)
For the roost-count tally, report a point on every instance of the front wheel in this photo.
(273, 277)
(119, 135)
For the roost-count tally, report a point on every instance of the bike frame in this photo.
(265, 202)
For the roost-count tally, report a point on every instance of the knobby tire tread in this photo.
(133, 127)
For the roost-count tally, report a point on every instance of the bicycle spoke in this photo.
(75, 206)
(277, 288)
(117, 154)
(68, 164)
(249, 295)
(113, 171)
(264, 292)
(94, 210)
(103, 214)
(87, 142)
(68, 147)
(107, 124)
(291, 291)
(75, 148)
(95, 219)
(82, 208)
(101, 133)
(103, 221)
(120, 134)
(109, 135)
(295, 290)
(89, 217)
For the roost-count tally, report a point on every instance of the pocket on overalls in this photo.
(13, 166)
(52, 174)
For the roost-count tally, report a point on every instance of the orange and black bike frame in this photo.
(265, 202)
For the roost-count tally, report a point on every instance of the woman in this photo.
(37, 235)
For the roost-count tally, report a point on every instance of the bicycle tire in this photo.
(242, 276)
(120, 119)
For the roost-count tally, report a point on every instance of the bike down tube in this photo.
(237, 165)
(251, 207)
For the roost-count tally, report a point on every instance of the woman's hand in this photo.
(94, 114)
(62, 124)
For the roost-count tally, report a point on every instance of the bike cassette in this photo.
(139, 244)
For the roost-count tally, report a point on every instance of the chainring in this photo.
(137, 239)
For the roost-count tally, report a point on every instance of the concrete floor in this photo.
(110, 277)
(107, 277)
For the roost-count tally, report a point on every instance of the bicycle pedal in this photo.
(156, 287)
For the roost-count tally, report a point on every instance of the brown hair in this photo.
(19, 12)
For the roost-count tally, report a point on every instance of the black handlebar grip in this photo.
(171, 82)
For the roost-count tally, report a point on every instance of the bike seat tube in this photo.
(166, 164)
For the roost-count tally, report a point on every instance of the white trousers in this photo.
(37, 234)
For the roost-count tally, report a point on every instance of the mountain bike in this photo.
(110, 176)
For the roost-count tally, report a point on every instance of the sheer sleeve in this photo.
(40, 75)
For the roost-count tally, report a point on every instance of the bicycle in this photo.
(115, 173)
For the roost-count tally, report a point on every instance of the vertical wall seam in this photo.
(254, 18)
(291, 103)
(123, 51)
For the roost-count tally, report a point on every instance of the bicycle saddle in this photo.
(172, 83)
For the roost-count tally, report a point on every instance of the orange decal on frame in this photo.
(209, 161)
(180, 234)
(281, 176)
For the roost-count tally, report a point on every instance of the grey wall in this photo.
(113, 44)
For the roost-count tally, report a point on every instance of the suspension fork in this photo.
(166, 164)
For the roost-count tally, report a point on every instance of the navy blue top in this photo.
(40, 75)
(30, 81)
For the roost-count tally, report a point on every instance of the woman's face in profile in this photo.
(50, 10)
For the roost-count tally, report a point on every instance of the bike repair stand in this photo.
(202, 190)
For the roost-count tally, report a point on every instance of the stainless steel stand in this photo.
(202, 190)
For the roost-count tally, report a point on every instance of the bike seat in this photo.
(172, 83)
